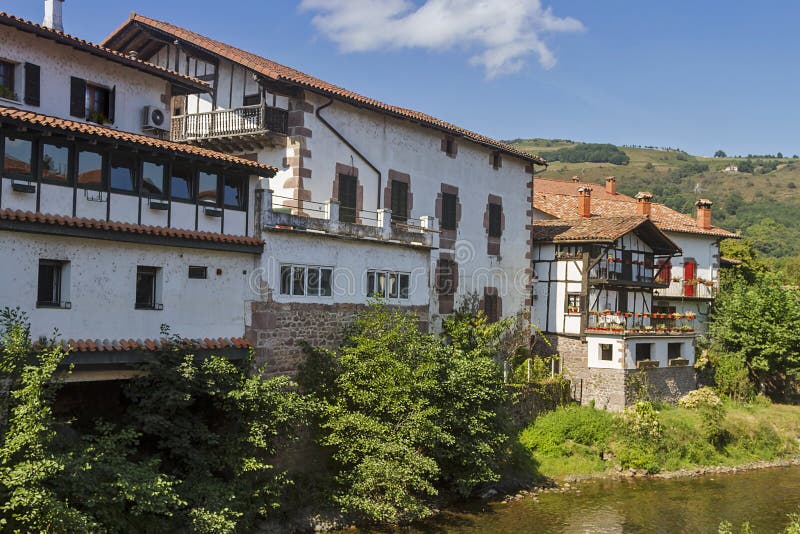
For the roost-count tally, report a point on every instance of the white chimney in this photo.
(52, 15)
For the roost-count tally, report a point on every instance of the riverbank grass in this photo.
(580, 441)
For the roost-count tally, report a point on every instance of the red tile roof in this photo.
(152, 345)
(602, 229)
(560, 199)
(58, 220)
(29, 118)
(282, 73)
(101, 51)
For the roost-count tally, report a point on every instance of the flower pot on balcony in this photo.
(647, 364)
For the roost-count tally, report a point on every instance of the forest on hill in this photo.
(760, 199)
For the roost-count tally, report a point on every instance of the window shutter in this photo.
(495, 220)
(347, 198)
(112, 97)
(77, 98)
(32, 84)
(449, 202)
(399, 201)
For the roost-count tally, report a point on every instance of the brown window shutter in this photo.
(32, 84)
(112, 104)
(77, 98)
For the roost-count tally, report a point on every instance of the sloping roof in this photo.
(560, 199)
(152, 345)
(603, 230)
(106, 53)
(126, 228)
(282, 73)
(29, 118)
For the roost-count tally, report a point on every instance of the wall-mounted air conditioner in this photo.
(154, 118)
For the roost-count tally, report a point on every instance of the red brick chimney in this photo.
(704, 213)
(585, 201)
(644, 203)
(611, 185)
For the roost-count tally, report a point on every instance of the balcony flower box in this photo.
(647, 364)
(678, 362)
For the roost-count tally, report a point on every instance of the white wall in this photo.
(102, 284)
(134, 89)
(624, 350)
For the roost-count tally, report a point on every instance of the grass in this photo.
(583, 441)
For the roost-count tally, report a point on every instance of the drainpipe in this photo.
(349, 145)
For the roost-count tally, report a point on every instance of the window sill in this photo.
(10, 100)
(52, 306)
(157, 307)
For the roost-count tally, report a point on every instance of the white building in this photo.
(371, 195)
(107, 231)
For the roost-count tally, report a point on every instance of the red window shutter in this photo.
(689, 281)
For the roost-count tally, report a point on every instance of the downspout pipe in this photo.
(350, 146)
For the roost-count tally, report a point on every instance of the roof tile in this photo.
(122, 345)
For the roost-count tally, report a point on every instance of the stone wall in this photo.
(613, 389)
(277, 330)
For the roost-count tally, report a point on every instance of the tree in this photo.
(779, 155)
(720, 154)
(758, 325)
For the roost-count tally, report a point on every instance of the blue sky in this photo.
(694, 75)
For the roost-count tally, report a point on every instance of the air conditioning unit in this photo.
(154, 118)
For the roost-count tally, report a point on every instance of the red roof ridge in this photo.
(109, 52)
(45, 218)
(278, 71)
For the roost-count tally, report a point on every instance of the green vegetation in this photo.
(407, 415)
(760, 201)
(588, 152)
(579, 440)
(793, 527)
(188, 453)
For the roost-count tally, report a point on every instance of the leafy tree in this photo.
(407, 414)
(779, 155)
(719, 154)
(589, 152)
(758, 324)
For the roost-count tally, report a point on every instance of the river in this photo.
(690, 505)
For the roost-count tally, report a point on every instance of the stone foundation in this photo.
(277, 330)
(613, 389)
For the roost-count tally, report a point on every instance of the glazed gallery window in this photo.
(208, 192)
(153, 183)
(305, 280)
(90, 170)
(55, 164)
(387, 284)
(233, 191)
(123, 173)
(182, 182)
(18, 158)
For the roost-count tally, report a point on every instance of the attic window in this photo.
(449, 147)
(497, 160)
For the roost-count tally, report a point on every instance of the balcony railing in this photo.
(641, 323)
(226, 123)
(697, 289)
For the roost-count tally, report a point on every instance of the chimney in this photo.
(575, 179)
(644, 203)
(704, 213)
(611, 185)
(52, 15)
(585, 201)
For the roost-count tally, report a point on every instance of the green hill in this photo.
(763, 205)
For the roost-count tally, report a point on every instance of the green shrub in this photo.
(552, 432)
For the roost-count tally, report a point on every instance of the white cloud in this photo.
(499, 33)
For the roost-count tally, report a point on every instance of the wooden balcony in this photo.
(232, 130)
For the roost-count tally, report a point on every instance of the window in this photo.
(208, 188)
(674, 350)
(622, 300)
(50, 280)
(146, 288)
(495, 220)
(97, 103)
(182, 182)
(123, 173)
(644, 351)
(55, 163)
(399, 201)
(197, 272)
(606, 352)
(689, 274)
(497, 160)
(449, 146)
(251, 100)
(153, 179)
(302, 280)
(449, 204)
(573, 303)
(90, 170)
(348, 186)
(447, 277)
(491, 307)
(665, 273)
(7, 80)
(388, 284)
(234, 192)
(18, 157)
